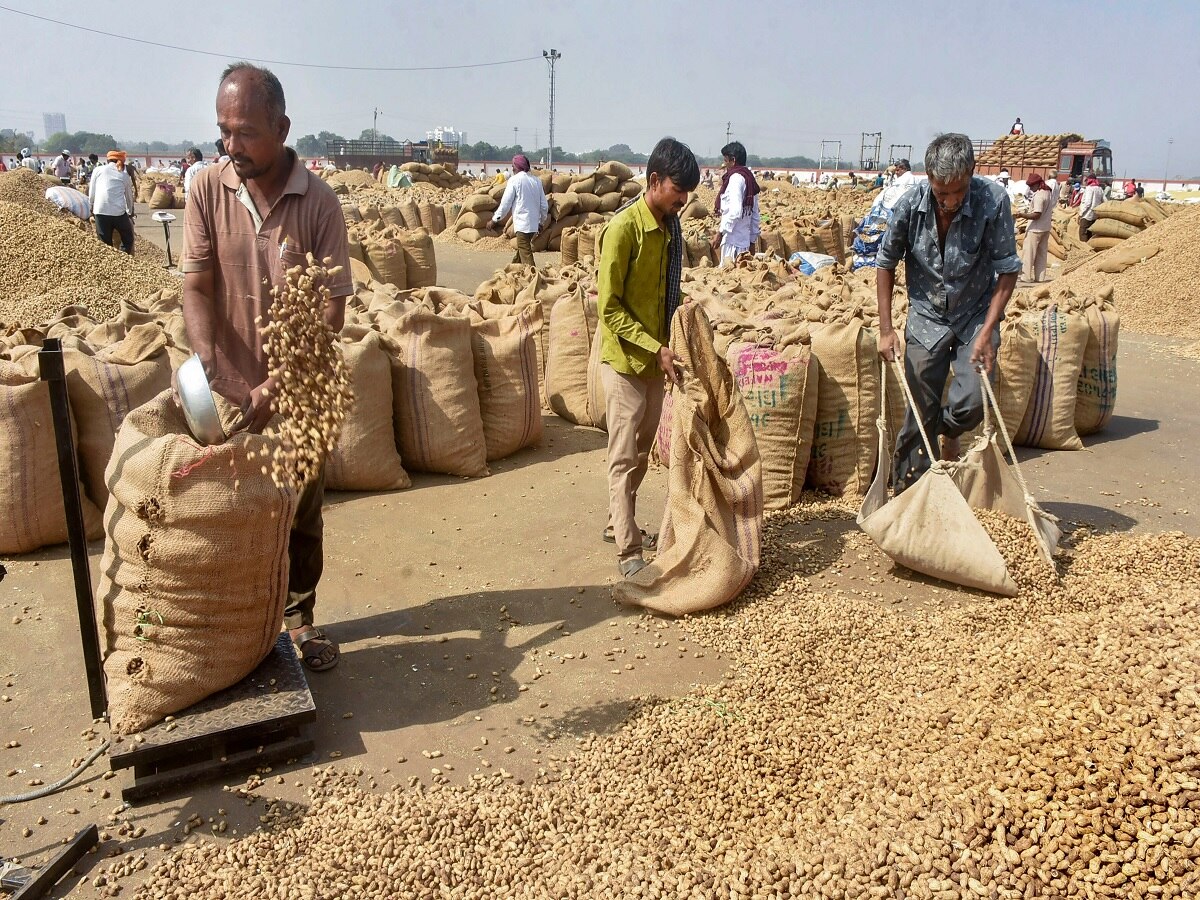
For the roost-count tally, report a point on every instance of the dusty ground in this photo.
(502, 578)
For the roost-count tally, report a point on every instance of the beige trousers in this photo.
(633, 404)
(1033, 255)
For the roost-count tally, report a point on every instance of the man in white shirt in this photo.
(525, 199)
(737, 205)
(111, 194)
(1093, 196)
(29, 162)
(1055, 190)
(904, 176)
(1037, 237)
(62, 167)
(196, 165)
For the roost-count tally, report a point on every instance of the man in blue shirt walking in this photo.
(955, 234)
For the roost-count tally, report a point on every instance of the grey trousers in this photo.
(927, 371)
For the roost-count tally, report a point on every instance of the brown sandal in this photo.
(318, 651)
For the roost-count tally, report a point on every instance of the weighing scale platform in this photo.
(256, 722)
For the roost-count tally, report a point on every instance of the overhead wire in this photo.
(273, 62)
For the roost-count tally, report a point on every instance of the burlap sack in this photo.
(163, 196)
(1114, 228)
(1118, 261)
(779, 389)
(1100, 244)
(710, 541)
(437, 215)
(479, 203)
(366, 458)
(425, 216)
(194, 578)
(411, 213)
(420, 261)
(478, 221)
(1096, 398)
(569, 247)
(435, 399)
(1016, 369)
(506, 370)
(597, 396)
(386, 258)
(1131, 212)
(829, 234)
(930, 528)
(843, 454)
(573, 323)
(31, 500)
(1061, 338)
(104, 386)
(615, 168)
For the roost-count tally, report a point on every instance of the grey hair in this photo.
(950, 157)
(266, 83)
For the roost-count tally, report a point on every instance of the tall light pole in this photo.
(374, 126)
(551, 56)
(514, 137)
(1167, 165)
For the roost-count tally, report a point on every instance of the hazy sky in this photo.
(786, 74)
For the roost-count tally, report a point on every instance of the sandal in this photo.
(649, 541)
(630, 567)
(318, 651)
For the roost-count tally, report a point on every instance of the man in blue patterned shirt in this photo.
(955, 234)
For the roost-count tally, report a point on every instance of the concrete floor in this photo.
(500, 577)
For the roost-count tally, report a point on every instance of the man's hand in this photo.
(666, 362)
(715, 242)
(983, 354)
(491, 225)
(889, 345)
(258, 409)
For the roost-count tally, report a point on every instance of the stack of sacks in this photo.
(411, 212)
(787, 336)
(394, 254)
(1118, 220)
(437, 174)
(573, 200)
(1057, 365)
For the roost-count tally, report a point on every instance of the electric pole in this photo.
(551, 56)
(375, 126)
(514, 137)
(728, 130)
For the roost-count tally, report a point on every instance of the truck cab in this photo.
(1082, 158)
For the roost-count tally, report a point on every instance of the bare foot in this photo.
(951, 449)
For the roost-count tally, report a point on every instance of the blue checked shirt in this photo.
(950, 294)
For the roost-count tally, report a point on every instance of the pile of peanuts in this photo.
(877, 736)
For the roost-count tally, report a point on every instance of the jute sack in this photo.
(478, 221)
(1096, 398)
(1016, 369)
(194, 578)
(104, 386)
(435, 399)
(479, 203)
(597, 397)
(391, 215)
(1061, 338)
(930, 527)
(366, 458)
(569, 247)
(1131, 212)
(1124, 258)
(506, 370)
(779, 389)
(426, 216)
(1100, 244)
(31, 500)
(710, 541)
(1114, 228)
(386, 259)
(163, 196)
(843, 454)
(573, 323)
(420, 261)
(411, 214)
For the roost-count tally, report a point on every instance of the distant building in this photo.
(53, 123)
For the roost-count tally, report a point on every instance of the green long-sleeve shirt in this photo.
(632, 281)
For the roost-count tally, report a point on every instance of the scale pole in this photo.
(50, 360)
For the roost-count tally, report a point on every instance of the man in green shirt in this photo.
(640, 264)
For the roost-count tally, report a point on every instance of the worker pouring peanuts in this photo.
(249, 220)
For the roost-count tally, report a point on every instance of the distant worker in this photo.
(1141, 191)
(708, 179)
(1004, 179)
(222, 156)
(878, 183)
(1092, 197)
(500, 178)
(30, 162)
(61, 167)
(1017, 127)
(853, 180)
(1055, 188)
(525, 199)
(904, 176)
(1130, 190)
(795, 179)
(737, 205)
(641, 260)
(111, 195)
(88, 167)
(195, 165)
(1037, 238)
(954, 233)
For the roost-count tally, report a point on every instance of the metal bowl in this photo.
(195, 396)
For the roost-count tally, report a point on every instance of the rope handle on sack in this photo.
(912, 406)
(990, 402)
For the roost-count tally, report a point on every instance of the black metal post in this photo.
(50, 359)
(167, 233)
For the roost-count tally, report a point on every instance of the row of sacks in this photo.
(409, 213)
(438, 174)
(1119, 220)
(1057, 367)
(573, 200)
(392, 254)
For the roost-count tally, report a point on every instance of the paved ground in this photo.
(500, 578)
